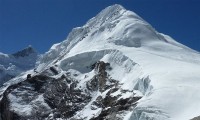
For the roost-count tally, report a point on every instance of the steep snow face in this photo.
(13, 64)
(114, 27)
(101, 25)
(141, 62)
(173, 68)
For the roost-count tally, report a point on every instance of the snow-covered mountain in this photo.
(12, 65)
(115, 67)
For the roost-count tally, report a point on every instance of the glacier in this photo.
(116, 66)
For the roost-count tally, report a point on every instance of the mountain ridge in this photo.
(117, 66)
(94, 23)
(24, 52)
(12, 65)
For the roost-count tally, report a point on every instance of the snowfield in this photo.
(173, 68)
(146, 63)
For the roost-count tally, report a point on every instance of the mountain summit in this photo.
(115, 67)
(113, 27)
(25, 52)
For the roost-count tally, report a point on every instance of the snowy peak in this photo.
(115, 67)
(112, 28)
(25, 52)
(111, 13)
(108, 13)
(12, 65)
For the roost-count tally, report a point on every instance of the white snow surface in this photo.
(122, 38)
(136, 51)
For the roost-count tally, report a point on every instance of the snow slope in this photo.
(146, 63)
(12, 65)
(173, 68)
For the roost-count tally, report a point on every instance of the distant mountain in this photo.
(12, 65)
(115, 67)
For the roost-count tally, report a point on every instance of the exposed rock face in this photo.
(25, 52)
(43, 97)
(6, 113)
(113, 106)
(196, 118)
(99, 80)
(60, 98)
(101, 72)
(65, 98)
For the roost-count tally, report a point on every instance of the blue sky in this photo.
(41, 23)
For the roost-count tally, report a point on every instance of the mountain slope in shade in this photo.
(115, 67)
(12, 65)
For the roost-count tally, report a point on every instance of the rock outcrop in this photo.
(45, 97)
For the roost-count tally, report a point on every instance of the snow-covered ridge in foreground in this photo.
(117, 66)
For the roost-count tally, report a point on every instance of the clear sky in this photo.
(41, 23)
